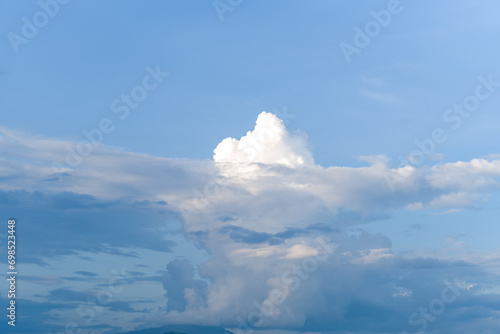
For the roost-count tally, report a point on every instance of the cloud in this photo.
(84, 223)
(85, 273)
(68, 295)
(282, 171)
(269, 142)
(258, 209)
(300, 251)
(182, 289)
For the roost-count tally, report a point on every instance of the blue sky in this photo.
(190, 189)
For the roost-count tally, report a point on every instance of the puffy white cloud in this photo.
(269, 142)
(470, 175)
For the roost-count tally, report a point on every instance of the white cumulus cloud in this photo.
(269, 143)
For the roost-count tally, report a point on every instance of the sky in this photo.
(258, 166)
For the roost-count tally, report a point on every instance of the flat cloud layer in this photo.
(285, 238)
